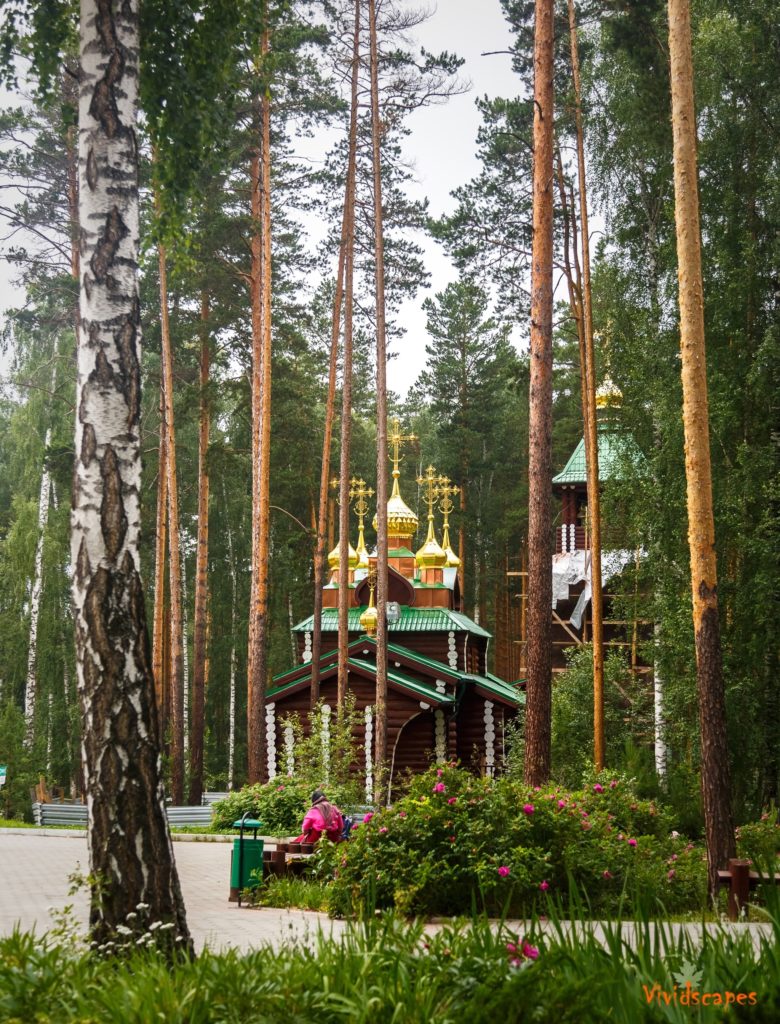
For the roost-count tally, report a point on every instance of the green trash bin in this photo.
(247, 857)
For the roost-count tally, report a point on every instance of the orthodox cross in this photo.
(446, 507)
(396, 440)
(358, 492)
(430, 482)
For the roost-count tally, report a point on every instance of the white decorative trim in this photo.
(441, 686)
(270, 736)
(440, 732)
(289, 746)
(490, 739)
(306, 656)
(369, 749)
(325, 738)
(452, 651)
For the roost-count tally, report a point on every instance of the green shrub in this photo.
(457, 840)
(760, 840)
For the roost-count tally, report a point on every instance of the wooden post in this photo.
(739, 889)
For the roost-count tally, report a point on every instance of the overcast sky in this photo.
(441, 147)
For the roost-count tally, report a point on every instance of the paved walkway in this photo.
(35, 868)
(34, 872)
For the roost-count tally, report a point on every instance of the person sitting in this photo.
(322, 818)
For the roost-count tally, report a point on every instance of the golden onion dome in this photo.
(401, 521)
(453, 562)
(431, 555)
(352, 558)
(609, 395)
(368, 620)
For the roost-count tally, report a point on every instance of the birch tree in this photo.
(131, 856)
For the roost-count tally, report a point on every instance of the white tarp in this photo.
(572, 567)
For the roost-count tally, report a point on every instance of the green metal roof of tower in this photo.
(614, 450)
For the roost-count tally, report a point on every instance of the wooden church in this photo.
(442, 701)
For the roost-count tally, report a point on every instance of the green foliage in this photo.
(289, 891)
(456, 841)
(628, 714)
(22, 777)
(388, 969)
(760, 840)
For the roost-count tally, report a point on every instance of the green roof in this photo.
(412, 620)
(415, 686)
(400, 553)
(491, 683)
(614, 449)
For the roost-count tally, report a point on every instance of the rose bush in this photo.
(456, 841)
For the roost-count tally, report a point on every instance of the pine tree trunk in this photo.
(715, 781)
(346, 393)
(174, 549)
(591, 429)
(539, 684)
(130, 848)
(322, 517)
(380, 753)
(158, 634)
(261, 395)
(201, 567)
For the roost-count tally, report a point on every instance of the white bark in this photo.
(129, 841)
(35, 597)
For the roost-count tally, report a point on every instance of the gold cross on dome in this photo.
(446, 493)
(396, 440)
(358, 492)
(430, 482)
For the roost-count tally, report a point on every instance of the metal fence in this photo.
(76, 814)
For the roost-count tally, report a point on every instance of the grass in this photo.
(390, 970)
(286, 891)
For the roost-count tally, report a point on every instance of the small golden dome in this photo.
(368, 620)
(609, 395)
(352, 558)
(430, 555)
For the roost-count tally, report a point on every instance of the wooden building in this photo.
(442, 701)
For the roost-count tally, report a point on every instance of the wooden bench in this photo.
(740, 880)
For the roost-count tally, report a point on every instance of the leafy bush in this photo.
(457, 840)
(760, 840)
(279, 804)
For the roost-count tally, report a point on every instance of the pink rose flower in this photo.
(503, 871)
(671, 874)
(529, 951)
(598, 788)
(632, 842)
(452, 800)
(439, 787)
(528, 809)
(439, 772)
(544, 886)
(561, 803)
(382, 830)
(402, 814)
(606, 874)
(511, 947)
(613, 784)
(368, 817)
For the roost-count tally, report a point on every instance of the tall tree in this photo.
(116, 686)
(380, 749)
(539, 682)
(716, 794)
(201, 565)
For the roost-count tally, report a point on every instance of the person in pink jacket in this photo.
(322, 818)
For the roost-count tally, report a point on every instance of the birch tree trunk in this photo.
(380, 752)
(539, 683)
(201, 568)
(591, 429)
(174, 548)
(44, 498)
(131, 856)
(715, 781)
(261, 441)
